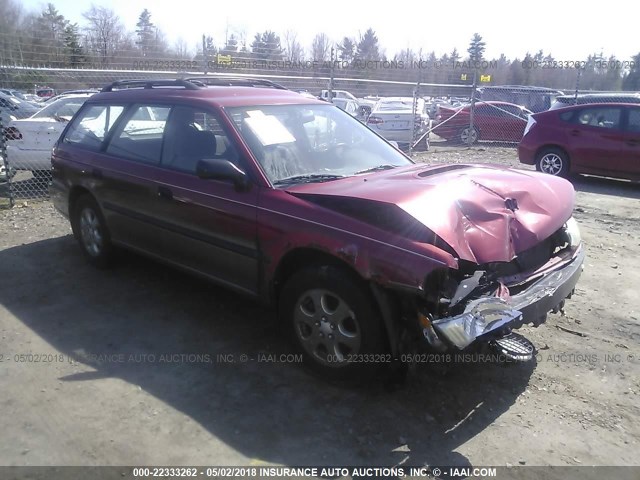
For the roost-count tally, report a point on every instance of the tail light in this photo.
(530, 124)
(12, 133)
(375, 120)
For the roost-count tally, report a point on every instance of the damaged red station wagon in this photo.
(365, 254)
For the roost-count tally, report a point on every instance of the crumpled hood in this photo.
(486, 214)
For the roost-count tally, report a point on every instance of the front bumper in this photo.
(486, 315)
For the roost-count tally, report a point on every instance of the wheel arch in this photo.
(74, 194)
(305, 257)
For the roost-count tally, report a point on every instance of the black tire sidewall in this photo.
(477, 135)
(103, 259)
(354, 293)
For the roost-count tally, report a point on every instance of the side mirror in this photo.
(220, 169)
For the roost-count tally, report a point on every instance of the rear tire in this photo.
(334, 322)
(553, 161)
(91, 231)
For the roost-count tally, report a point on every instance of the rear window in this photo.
(92, 124)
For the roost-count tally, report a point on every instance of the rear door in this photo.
(630, 159)
(595, 138)
(118, 167)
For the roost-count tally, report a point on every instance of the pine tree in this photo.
(145, 32)
(476, 48)
(368, 46)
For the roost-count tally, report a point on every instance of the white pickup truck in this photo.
(324, 94)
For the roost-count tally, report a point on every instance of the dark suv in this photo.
(364, 254)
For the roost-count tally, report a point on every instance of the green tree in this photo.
(476, 48)
(231, 46)
(73, 49)
(347, 49)
(368, 47)
(48, 36)
(146, 33)
(631, 80)
(267, 46)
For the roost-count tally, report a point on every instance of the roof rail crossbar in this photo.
(235, 82)
(151, 84)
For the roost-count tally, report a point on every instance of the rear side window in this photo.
(140, 136)
(634, 120)
(567, 116)
(599, 117)
(90, 127)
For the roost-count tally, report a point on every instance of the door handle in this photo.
(97, 173)
(575, 133)
(633, 143)
(165, 193)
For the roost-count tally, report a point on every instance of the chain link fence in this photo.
(37, 102)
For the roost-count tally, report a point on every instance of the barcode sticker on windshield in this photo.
(269, 130)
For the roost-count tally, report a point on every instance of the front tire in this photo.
(334, 322)
(469, 135)
(91, 231)
(553, 161)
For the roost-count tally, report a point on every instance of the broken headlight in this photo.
(573, 231)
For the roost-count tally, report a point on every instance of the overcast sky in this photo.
(567, 31)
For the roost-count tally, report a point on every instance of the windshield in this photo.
(311, 143)
(63, 108)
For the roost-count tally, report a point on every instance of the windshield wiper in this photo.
(376, 169)
(310, 178)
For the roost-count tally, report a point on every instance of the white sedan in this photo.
(30, 140)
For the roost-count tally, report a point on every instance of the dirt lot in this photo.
(127, 366)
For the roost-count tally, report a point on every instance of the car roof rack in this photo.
(148, 84)
(234, 82)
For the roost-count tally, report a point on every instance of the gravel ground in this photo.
(133, 365)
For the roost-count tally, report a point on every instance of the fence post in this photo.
(205, 55)
(472, 108)
(331, 78)
(5, 162)
(416, 95)
(575, 96)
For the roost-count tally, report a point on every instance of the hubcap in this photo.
(469, 135)
(327, 327)
(90, 231)
(551, 163)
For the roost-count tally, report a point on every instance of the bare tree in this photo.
(320, 47)
(292, 48)
(12, 26)
(181, 49)
(104, 32)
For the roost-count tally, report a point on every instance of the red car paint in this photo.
(494, 121)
